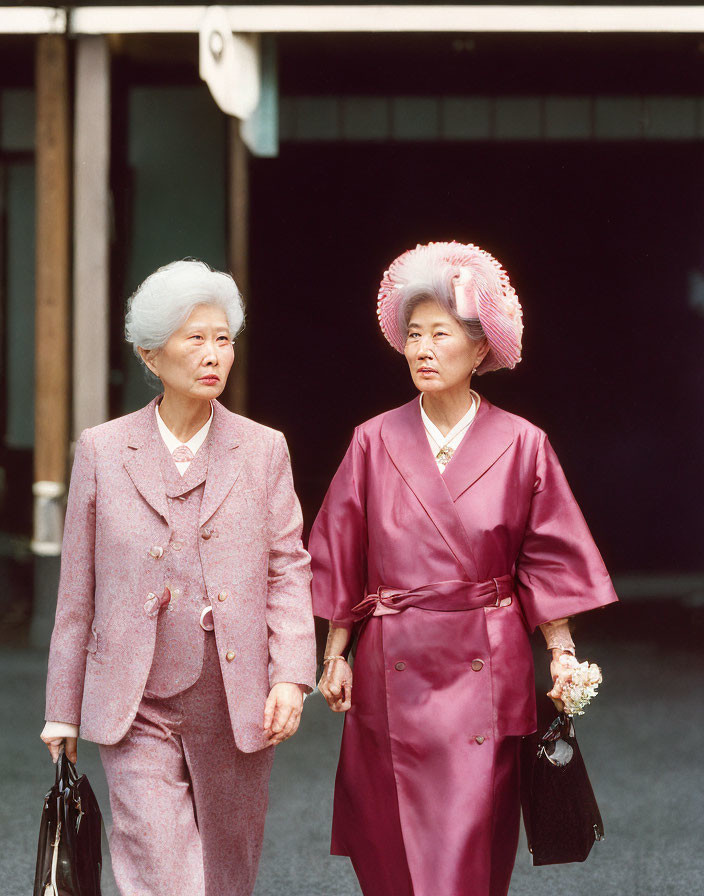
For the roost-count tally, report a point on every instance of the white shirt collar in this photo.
(458, 428)
(172, 443)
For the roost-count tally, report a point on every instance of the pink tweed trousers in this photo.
(188, 807)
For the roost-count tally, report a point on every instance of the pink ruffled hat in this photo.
(482, 291)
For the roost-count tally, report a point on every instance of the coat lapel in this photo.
(176, 484)
(143, 460)
(489, 436)
(403, 435)
(224, 462)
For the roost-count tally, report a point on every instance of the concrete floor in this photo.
(641, 740)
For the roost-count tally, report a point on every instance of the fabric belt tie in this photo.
(447, 597)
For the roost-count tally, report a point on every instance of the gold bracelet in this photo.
(329, 659)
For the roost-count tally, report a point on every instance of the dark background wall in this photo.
(601, 241)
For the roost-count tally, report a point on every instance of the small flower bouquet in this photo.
(576, 684)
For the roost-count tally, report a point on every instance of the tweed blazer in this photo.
(116, 533)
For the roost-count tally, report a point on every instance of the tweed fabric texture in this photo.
(188, 807)
(115, 549)
(182, 455)
(178, 651)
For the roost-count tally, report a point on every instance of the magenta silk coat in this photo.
(117, 530)
(477, 558)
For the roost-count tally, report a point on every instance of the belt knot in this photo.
(448, 596)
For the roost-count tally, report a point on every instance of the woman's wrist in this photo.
(59, 729)
(557, 636)
(558, 650)
(338, 639)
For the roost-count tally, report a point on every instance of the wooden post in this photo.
(91, 243)
(52, 291)
(52, 316)
(235, 395)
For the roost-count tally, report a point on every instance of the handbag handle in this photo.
(555, 744)
(66, 773)
(561, 727)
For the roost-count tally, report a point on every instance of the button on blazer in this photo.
(116, 533)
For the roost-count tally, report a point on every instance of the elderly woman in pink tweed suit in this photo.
(448, 533)
(184, 637)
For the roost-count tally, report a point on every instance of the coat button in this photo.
(156, 551)
(400, 666)
(206, 533)
(479, 739)
(222, 596)
(176, 545)
(230, 655)
(206, 619)
(477, 665)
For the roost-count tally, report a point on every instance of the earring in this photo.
(474, 370)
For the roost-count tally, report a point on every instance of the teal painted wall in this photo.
(177, 157)
(17, 119)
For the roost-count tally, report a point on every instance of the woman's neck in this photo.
(448, 407)
(184, 416)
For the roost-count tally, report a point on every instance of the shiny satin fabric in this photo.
(432, 764)
(444, 597)
(437, 695)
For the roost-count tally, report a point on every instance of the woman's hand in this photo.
(56, 735)
(558, 640)
(336, 684)
(282, 712)
(555, 669)
(574, 683)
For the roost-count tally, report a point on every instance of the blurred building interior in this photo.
(575, 158)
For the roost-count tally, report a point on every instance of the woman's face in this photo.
(196, 360)
(439, 352)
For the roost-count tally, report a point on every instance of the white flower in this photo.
(576, 684)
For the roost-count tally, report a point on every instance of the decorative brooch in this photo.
(444, 455)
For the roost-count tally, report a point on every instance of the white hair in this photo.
(165, 300)
(425, 277)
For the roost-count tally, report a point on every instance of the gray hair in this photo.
(439, 289)
(165, 300)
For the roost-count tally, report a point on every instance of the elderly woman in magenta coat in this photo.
(448, 534)
(184, 635)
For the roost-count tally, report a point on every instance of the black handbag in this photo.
(560, 812)
(69, 855)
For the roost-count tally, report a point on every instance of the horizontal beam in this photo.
(480, 118)
(468, 18)
(359, 19)
(32, 20)
(139, 19)
(687, 587)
